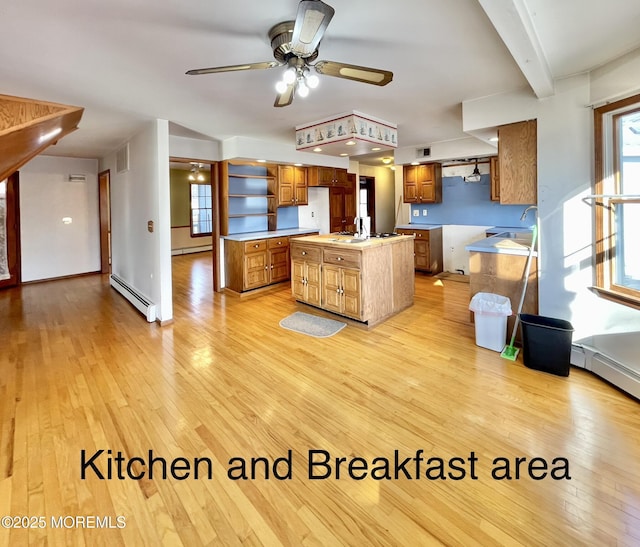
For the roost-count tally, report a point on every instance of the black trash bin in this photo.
(546, 343)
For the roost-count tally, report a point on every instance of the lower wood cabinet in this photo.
(306, 274)
(256, 263)
(427, 247)
(367, 282)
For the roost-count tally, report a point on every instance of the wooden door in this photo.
(9, 194)
(104, 199)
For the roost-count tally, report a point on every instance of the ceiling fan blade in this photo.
(312, 20)
(354, 72)
(286, 98)
(233, 68)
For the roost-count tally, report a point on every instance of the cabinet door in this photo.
(286, 182)
(256, 271)
(429, 183)
(422, 255)
(517, 159)
(410, 186)
(494, 170)
(301, 194)
(331, 286)
(351, 293)
(341, 177)
(313, 284)
(279, 265)
(298, 279)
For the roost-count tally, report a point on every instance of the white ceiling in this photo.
(124, 61)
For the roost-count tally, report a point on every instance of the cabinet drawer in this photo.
(419, 234)
(309, 253)
(278, 242)
(346, 258)
(255, 245)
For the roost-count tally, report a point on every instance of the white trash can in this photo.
(491, 312)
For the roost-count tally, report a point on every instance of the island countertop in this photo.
(249, 236)
(347, 241)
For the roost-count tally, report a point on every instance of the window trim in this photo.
(191, 209)
(605, 287)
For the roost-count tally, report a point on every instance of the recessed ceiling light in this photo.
(344, 154)
(376, 148)
(415, 163)
(387, 161)
(493, 139)
(262, 161)
(298, 164)
(350, 143)
(317, 149)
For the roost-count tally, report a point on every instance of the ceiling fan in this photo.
(295, 45)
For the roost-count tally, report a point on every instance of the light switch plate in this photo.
(424, 212)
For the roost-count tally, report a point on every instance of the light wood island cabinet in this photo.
(367, 281)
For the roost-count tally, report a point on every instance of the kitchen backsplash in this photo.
(468, 203)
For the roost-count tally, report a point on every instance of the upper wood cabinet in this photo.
(327, 176)
(423, 183)
(292, 186)
(517, 163)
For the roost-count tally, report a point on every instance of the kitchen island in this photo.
(367, 280)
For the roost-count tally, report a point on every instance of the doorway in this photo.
(10, 232)
(367, 200)
(199, 217)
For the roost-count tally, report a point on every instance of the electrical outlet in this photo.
(424, 212)
(416, 213)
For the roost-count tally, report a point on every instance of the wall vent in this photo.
(77, 178)
(423, 152)
(122, 159)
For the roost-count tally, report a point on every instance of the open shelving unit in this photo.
(249, 197)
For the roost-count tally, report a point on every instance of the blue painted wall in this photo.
(469, 203)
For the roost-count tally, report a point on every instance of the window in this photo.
(617, 200)
(201, 222)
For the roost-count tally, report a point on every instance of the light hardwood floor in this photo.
(80, 369)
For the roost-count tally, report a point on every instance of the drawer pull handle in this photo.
(340, 258)
(256, 245)
(304, 253)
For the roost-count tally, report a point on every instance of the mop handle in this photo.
(527, 269)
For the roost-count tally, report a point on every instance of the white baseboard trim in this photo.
(190, 250)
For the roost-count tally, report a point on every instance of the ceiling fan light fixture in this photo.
(289, 76)
(302, 89)
(312, 81)
(281, 86)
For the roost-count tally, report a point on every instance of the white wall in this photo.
(139, 257)
(316, 214)
(51, 248)
(197, 149)
(565, 174)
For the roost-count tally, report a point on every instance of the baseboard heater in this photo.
(140, 302)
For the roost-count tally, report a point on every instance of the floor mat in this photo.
(304, 323)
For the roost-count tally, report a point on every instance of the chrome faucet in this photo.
(524, 215)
